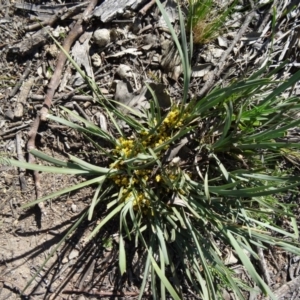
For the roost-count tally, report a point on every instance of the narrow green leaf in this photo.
(64, 191)
(228, 120)
(93, 203)
(283, 87)
(162, 243)
(122, 254)
(249, 267)
(145, 275)
(163, 270)
(105, 220)
(207, 271)
(48, 169)
(91, 167)
(164, 279)
(53, 160)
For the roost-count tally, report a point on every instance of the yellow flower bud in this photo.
(124, 181)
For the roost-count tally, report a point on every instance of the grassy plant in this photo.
(205, 19)
(189, 208)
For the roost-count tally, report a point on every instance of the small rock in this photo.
(2, 123)
(65, 260)
(69, 105)
(226, 295)
(150, 39)
(74, 253)
(40, 71)
(124, 92)
(201, 70)
(9, 114)
(217, 53)
(52, 50)
(96, 60)
(222, 42)
(207, 76)
(124, 71)
(230, 259)
(74, 208)
(102, 37)
(19, 110)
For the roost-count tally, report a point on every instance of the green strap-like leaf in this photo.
(249, 267)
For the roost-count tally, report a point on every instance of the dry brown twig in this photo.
(144, 10)
(49, 22)
(263, 266)
(60, 15)
(21, 80)
(74, 34)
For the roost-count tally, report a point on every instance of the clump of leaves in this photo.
(206, 19)
(185, 208)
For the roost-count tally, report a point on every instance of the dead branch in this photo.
(263, 266)
(144, 10)
(49, 22)
(62, 14)
(23, 77)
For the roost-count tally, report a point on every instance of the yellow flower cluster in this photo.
(121, 180)
(130, 147)
(158, 178)
(125, 147)
(172, 176)
(174, 119)
(139, 200)
(142, 174)
(125, 180)
(155, 140)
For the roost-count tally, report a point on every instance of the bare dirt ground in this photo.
(138, 41)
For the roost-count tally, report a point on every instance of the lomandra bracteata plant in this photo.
(189, 183)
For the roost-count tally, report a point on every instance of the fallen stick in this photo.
(49, 22)
(144, 10)
(19, 83)
(263, 266)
